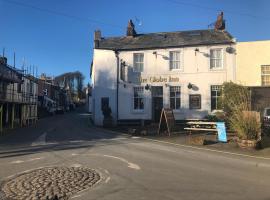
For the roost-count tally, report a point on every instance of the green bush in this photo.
(236, 101)
(218, 116)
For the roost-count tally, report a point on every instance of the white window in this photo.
(175, 97)
(174, 60)
(216, 59)
(216, 97)
(138, 62)
(265, 73)
(138, 100)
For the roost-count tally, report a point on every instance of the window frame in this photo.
(216, 97)
(221, 59)
(136, 62)
(140, 95)
(265, 75)
(171, 60)
(175, 97)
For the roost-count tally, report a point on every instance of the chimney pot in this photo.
(220, 23)
(131, 29)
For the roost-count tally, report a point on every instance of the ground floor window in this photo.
(138, 100)
(175, 97)
(195, 101)
(216, 97)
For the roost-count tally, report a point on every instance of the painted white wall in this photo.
(195, 70)
(104, 82)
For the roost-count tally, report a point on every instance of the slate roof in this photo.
(166, 40)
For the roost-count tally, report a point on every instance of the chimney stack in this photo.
(220, 23)
(97, 38)
(131, 29)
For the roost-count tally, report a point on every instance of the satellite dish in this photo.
(230, 50)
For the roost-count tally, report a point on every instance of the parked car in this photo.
(60, 110)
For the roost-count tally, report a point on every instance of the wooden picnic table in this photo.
(201, 126)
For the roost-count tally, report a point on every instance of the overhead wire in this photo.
(78, 18)
(215, 9)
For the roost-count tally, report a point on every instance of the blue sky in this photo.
(57, 35)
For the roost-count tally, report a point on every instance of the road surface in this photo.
(132, 167)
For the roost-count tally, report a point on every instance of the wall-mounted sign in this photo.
(195, 101)
(158, 79)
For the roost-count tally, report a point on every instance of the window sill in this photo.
(217, 69)
(177, 110)
(176, 70)
(137, 111)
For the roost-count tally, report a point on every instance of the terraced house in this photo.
(137, 75)
(18, 97)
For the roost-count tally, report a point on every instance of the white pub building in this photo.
(139, 74)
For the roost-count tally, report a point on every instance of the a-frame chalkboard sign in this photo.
(166, 120)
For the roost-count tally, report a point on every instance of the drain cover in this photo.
(46, 183)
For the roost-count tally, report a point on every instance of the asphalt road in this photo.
(132, 167)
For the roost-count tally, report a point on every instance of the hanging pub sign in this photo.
(167, 121)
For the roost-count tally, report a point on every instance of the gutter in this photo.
(117, 84)
(166, 47)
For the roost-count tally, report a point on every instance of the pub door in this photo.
(157, 102)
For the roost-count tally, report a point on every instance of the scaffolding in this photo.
(18, 97)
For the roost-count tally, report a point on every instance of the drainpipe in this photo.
(117, 84)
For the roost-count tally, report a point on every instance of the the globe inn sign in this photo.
(158, 79)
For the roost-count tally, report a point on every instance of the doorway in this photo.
(157, 102)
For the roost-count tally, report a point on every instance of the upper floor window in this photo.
(265, 73)
(175, 97)
(138, 59)
(216, 59)
(174, 60)
(138, 100)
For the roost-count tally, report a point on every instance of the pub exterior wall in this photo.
(195, 69)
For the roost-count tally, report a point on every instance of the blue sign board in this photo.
(222, 135)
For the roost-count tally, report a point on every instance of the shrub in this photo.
(218, 116)
(236, 101)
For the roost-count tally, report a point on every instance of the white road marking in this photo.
(77, 141)
(130, 165)
(134, 137)
(30, 160)
(40, 141)
(76, 196)
(76, 165)
(74, 154)
(107, 179)
(33, 159)
(17, 162)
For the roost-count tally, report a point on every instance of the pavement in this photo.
(128, 167)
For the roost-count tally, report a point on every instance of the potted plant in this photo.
(107, 118)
